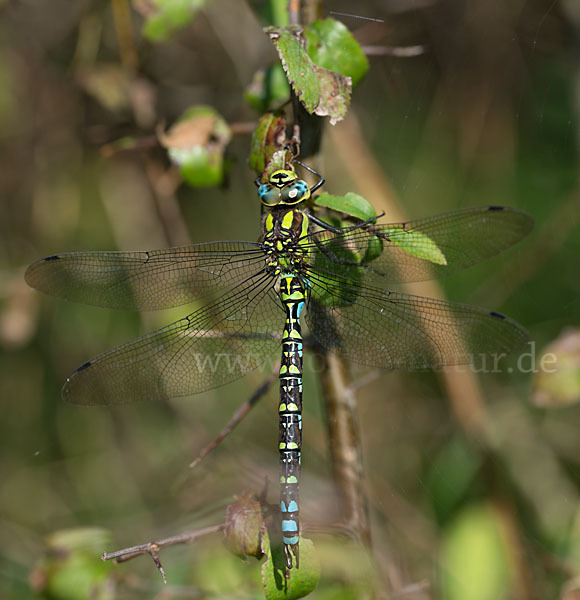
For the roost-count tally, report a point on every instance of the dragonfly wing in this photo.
(210, 347)
(422, 249)
(392, 330)
(145, 280)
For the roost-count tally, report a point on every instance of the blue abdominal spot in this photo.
(291, 541)
(288, 525)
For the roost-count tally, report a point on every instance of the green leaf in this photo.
(474, 564)
(268, 137)
(334, 94)
(342, 289)
(330, 45)
(196, 143)
(451, 477)
(200, 168)
(91, 540)
(350, 204)
(302, 581)
(163, 17)
(416, 244)
(297, 64)
(374, 249)
(322, 92)
(269, 88)
(275, 12)
(73, 569)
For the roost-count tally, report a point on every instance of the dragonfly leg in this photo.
(342, 230)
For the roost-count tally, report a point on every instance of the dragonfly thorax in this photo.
(284, 235)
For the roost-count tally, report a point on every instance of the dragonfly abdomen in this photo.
(293, 296)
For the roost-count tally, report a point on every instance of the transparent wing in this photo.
(393, 330)
(420, 250)
(145, 280)
(210, 347)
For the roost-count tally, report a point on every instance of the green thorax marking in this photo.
(285, 241)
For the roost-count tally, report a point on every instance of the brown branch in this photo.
(152, 548)
(399, 51)
(243, 127)
(294, 12)
(125, 37)
(345, 447)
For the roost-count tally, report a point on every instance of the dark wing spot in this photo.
(496, 208)
(54, 257)
(84, 366)
(497, 315)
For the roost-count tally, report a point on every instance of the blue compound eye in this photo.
(269, 195)
(295, 192)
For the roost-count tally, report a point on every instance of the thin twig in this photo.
(400, 51)
(243, 127)
(343, 14)
(294, 12)
(238, 416)
(154, 553)
(125, 37)
(412, 589)
(152, 548)
(366, 379)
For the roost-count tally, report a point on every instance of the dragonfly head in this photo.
(283, 188)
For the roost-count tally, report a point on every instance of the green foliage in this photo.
(268, 89)
(321, 75)
(72, 569)
(350, 204)
(473, 563)
(416, 243)
(301, 582)
(275, 12)
(451, 476)
(167, 16)
(341, 261)
(268, 138)
(196, 143)
(248, 523)
(331, 45)
(322, 92)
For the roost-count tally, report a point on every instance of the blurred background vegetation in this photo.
(472, 481)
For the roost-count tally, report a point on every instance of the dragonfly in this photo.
(256, 295)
